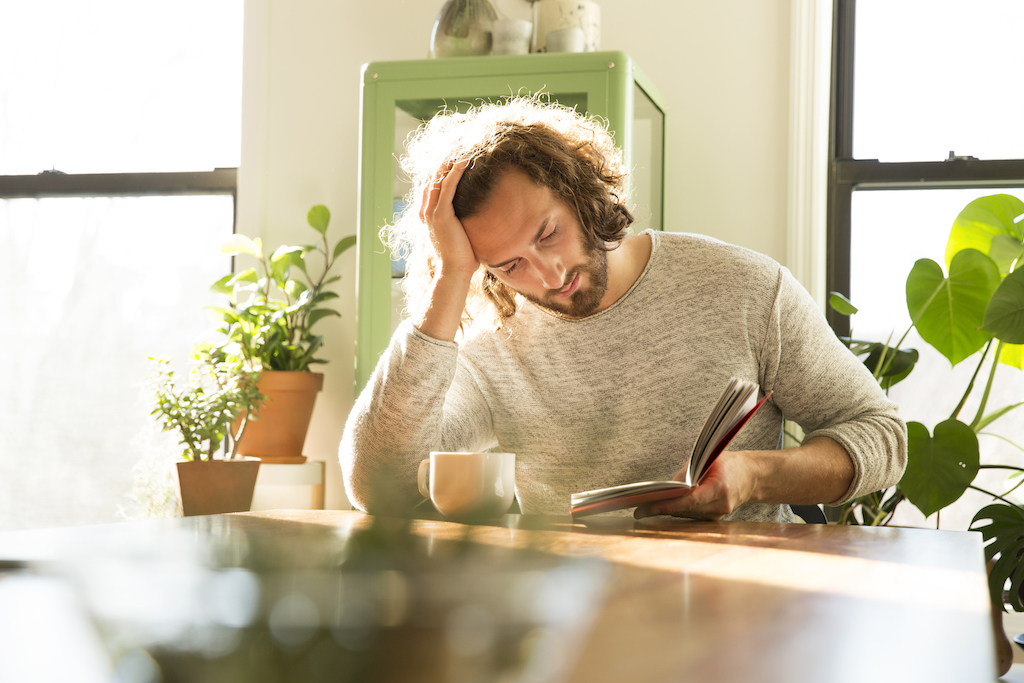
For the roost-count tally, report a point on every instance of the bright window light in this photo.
(94, 285)
(120, 86)
(934, 76)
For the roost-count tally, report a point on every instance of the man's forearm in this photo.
(819, 471)
(443, 316)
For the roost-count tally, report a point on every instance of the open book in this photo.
(735, 406)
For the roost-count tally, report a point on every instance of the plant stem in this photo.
(988, 385)
(236, 439)
(904, 337)
(880, 367)
(1000, 467)
(970, 385)
(989, 493)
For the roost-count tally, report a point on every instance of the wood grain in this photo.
(735, 601)
(679, 600)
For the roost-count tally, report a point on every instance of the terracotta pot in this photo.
(279, 432)
(210, 487)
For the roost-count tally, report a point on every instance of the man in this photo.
(539, 326)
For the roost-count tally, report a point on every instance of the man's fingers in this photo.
(441, 190)
(450, 181)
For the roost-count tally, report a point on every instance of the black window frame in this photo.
(223, 181)
(847, 174)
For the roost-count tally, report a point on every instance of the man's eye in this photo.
(510, 267)
(548, 236)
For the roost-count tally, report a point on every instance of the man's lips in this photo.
(568, 290)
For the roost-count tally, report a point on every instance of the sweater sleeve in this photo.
(824, 388)
(419, 399)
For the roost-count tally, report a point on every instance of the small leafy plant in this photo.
(202, 409)
(268, 321)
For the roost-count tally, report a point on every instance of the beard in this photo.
(586, 298)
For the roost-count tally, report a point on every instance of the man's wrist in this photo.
(443, 315)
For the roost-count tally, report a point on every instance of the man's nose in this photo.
(552, 273)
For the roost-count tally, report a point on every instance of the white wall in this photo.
(722, 65)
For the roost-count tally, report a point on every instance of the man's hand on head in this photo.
(456, 261)
(727, 485)
(447, 235)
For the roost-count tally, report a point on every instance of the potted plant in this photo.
(202, 411)
(267, 325)
(978, 306)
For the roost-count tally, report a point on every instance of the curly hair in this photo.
(556, 147)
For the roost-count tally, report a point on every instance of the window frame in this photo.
(847, 174)
(57, 184)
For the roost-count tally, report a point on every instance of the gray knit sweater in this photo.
(620, 396)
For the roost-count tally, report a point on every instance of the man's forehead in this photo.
(509, 220)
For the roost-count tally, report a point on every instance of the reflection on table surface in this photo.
(343, 596)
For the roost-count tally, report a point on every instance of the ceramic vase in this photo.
(556, 15)
(462, 28)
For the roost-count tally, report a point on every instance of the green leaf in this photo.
(344, 245)
(898, 364)
(841, 304)
(247, 275)
(240, 244)
(939, 468)
(294, 288)
(324, 296)
(282, 259)
(949, 311)
(995, 415)
(319, 314)
(1004, 537)
(981, 222)
(1005, 251)
(1004, 317)
(221, 285)
(318, 218)
(1012, 355)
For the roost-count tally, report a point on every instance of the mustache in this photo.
(568, 281)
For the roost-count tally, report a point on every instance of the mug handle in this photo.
(421, 478)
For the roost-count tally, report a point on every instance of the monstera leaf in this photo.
(1004, 538)
(1013, 355)
(949, 311)
(1004, 317)
(987, 224)
(939, 468)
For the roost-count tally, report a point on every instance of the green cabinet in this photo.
(397, 96)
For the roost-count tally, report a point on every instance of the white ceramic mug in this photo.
(469, 486)
(511, 37)
(565, 40)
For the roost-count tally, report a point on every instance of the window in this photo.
(119, 143)
(921, 124)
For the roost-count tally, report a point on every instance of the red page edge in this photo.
(730, 435)
(628, 501)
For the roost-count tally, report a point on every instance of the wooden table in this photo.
(280, 594)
